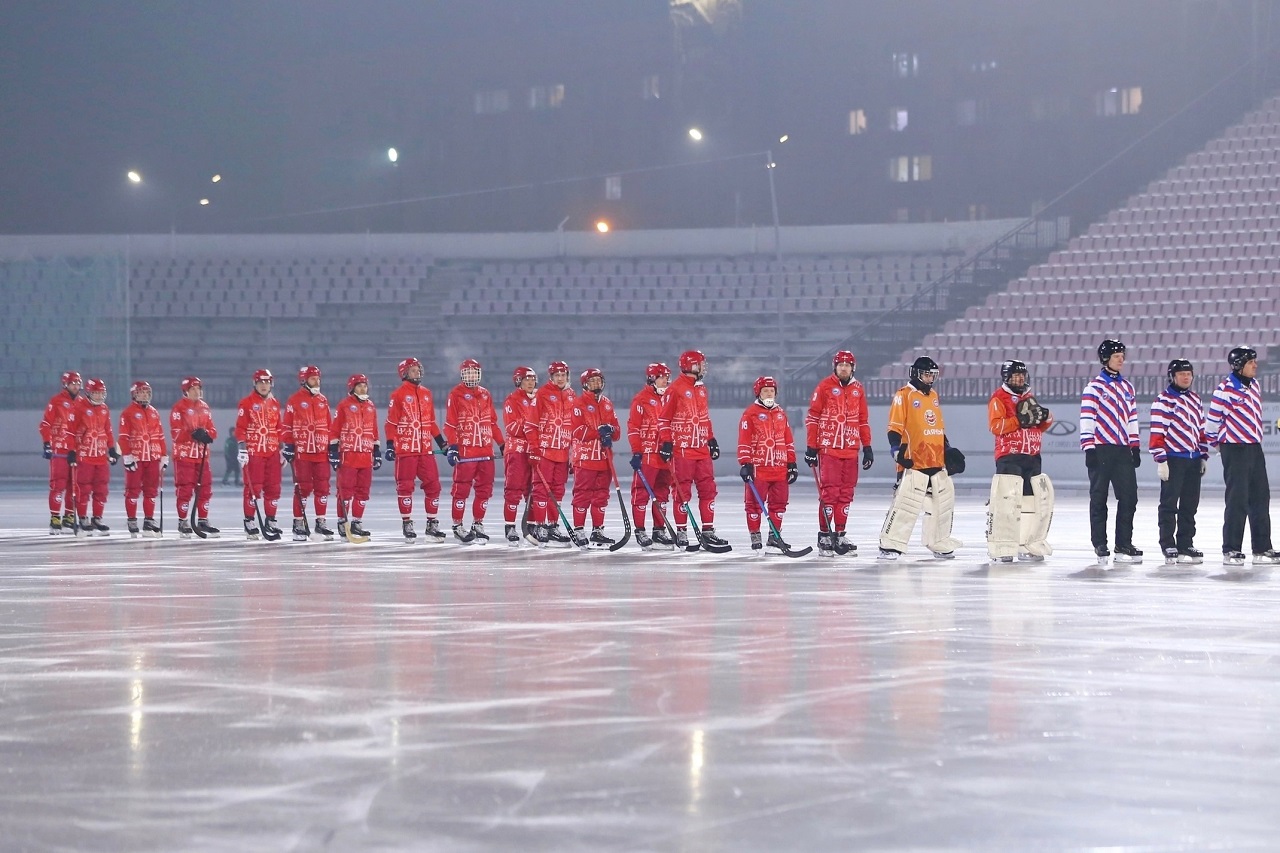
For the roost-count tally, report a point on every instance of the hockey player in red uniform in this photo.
(767, 456)
(836, 429)
(549, 433)
(57, 431)
(517, 480)
(95, 446)
(473, 440)
(192, 431)
(305, 437)
(649, 467)
(411, 426)
(355, 454)
(595, 424)
(142, 447)
(687, 441)
(258, 442)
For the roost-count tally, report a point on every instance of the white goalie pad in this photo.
(1003, 513)
(1037, 516)
(937, 524)
(908, 501)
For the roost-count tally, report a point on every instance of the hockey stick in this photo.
(195, 495)
(622, 505)
(257, 508)
(839, 549)
(697, 530)
(73, 475)
(355, 539)
(160, 497)
(786, 551)
(653, 499)
(584, 545)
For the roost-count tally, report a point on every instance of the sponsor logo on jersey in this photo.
(835, 392)
(354, 407)
(591, 408)
(915, 404)
(304, 405)
(931, 418)
(137, 416)
(762, 416)
(466, 396)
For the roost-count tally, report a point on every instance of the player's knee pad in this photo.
(1003, 512)
(1040, 516)
(937, 525)
(908, 502)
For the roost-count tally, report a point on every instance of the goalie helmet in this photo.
(655, 371)
(522, 373)
(69, 377)
(589, 374)
(263, 375)
(356, 379)
(1240, 356)
(191, 382)
(403, 369)
(844, 357)
(1108, 348)
(1178, 365)
(97, 391)
(691, 358)
(1012, 366)
(306, 372)
(138, 388)
(470, 372)
(764, 382)
(923, 365)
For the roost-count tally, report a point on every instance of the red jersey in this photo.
(411, 420)
(93, 431)
(355, 429)
(258, 424)
(471, 422)
(551, 428)
(185, 417)
(306, 425)
(1002, 417)
(589, 414)
(837, 420)
(518, 412)
(765, 441)
(141, 433)
(59, 424)
(685, 420)
(642, 425)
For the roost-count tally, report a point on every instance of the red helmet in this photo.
(406, 364)
(138, 387)
(764, 382)
(263, 375)
(191, 382)
(69, 377)
(306, 372)
(95, 386)
(557, 367)
(522, 373)
(589, 374)
(689, 358)
(844, 357)
(354, 380)
(470, 372)
(655, 370)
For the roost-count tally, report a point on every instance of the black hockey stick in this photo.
(195, 495)
(257, 509)
(826, 528)
(72, 471)
(622, 505)
(697, 530)
(653, 499)
(583, 544)
(808, 549)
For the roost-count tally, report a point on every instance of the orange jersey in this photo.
(1002, 418)
(837, 419)
(471, 422)
(355, 429)
(686, 418)
(185, 417)
(917, 417)
(411, 420)
(589, 414)
(517, 411)
(141, 433)
(93, 431)
(258, 424)
(59, 424)
(765, 440)
(642, 425)
(552, 426)
(305, 425)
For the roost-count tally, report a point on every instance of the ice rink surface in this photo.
(232, 695)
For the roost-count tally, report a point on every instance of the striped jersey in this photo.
(1235, 413)
(1108, 412)
(1177, 426)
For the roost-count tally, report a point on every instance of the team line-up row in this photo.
(552, 432)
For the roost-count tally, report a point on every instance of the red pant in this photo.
(775, 493)
(410, 470)
(310, 477)
(185, 474)
(262, 479)
(59, 485)
(92, 479)
(144, 481)
(465, 475)
(659, 480)
(517, 484)
(590, 491)
(689, 473)
(353, 490)
(548, 488)
(839, 477)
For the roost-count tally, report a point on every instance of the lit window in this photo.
(906, 65)
(1113, 102)
(907, 169)
(857, 122)
(898, 119)
(613, 187)
(542, 97)
(555, 95)
(649, 89)
(492, 101)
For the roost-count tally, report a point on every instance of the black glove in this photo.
(605, 431)
(498, 450)
(335, 456)
(714, 447)
(113, 455)
(746, 472)
(71, 457)
(811, 457)
(452, 456)
(793, 473)
(48, 451)
(390, 455)
(440, 442)
(637, 459)
(1137, 457)
(953, 461)
(288, 451)
(377, 457)
(900, 454)
(1027, 417)
(1091, 458)
(868, 457)
(666, 451)
(201, 435)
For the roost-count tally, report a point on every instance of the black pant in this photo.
(1114, 470)
(1024, 465)
(1179, 499)
(1244, 469)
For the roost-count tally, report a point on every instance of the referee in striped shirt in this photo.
(1109, 439)
(1234, 426)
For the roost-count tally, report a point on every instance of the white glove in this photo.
(130, 463)
(164, 463)
(1204, 466)
(1162, 471)
(242, 456)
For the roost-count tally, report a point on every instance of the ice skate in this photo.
(342, 529)
(843, 546)
(643, 540)
(757, 543)
(1170, 556)
(708, 537)
(888, 554)
(55, 525)
(99, 528)
(662, 539)
(477, 533)
(322, 531)
(826, 545)
(356, 532)
(251, 530)
(270, 530)
(431, 531)
(131, 524)
(150, 530)
(1190, 556)
(513, 536)
(599, 539)
(682, 538)
(1103, 554)
(943, 555)
(1266, 558)
(542, 534)
(461, 534)
(1127, 554)
(1232, 558)
(407, 531)
(184, 529)
(1027, 557)
(301, 532)
(209, 531)
(69, 524)
(776, 545)
(556, 538)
